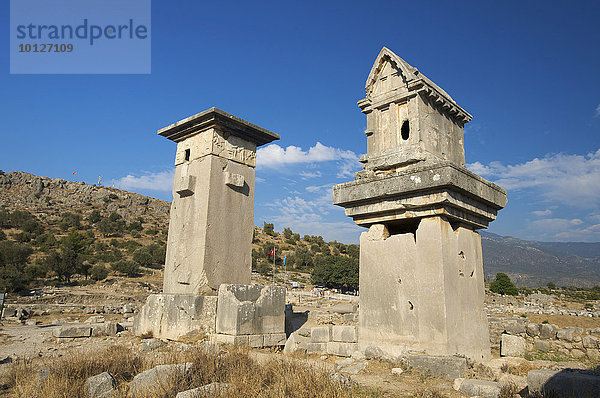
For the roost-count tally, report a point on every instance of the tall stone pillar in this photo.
(212, 214)
(421, 269)
(210, 233)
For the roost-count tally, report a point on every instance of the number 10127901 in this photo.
(45, 48)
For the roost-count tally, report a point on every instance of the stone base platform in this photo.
(252, 340)
(171, 316)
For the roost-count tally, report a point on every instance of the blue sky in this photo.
(528, 72)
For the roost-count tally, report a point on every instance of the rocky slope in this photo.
(48, 198)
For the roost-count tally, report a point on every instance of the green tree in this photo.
(98, 272)
(69, 220)
(551, 286)
(143, 257)
(268, 228)
(336, 272)
(95, 216)
(13, 259)
(128, 268)
(503, 285)
(2, 235)
(287, 233)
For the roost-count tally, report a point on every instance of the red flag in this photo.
(272, 252)
(74, 172)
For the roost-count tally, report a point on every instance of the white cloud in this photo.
(541, 213)
(275, 156)
(161, 181)
(306, 174)
(598, 110)
(258, 179)
(310, 216)
(567, 179)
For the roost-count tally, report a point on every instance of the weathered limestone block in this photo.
(481, 388)
(542, 345)
(512, 346)
(448, 368)
(102, 385)
(243, 339)
(158, 377)
(296, 343)
(274, 339)
(533, 329)
(212, 213)
(569, 334)
(316, 348)
(106, 329)
(341, 349)
(429, 297)
(171, 316)
(548, 331)
(209, 390)
(320, 334)
(565, 383)
(345, 334)
(74, 331)
(591, 342)
(250, 309)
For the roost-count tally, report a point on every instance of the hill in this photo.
(126, 234)
(531, 263)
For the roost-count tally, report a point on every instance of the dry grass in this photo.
(565, 320)
(277, 377)
(519, 370)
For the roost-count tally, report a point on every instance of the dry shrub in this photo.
(66, 376)
(275, 377)
(519, 370)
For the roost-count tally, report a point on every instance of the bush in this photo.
(128, 268)
(2, 235)
(98, 272)
(336, 272)
(287, 233)
(143, 257)
(268, 229)
(95, 217)
(13, 259)
(503, 285)
(70, 220)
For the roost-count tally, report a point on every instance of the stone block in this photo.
(153, 379)
(250, 309)
(256, 340)
(341, 349)
(548, 331)
(106, 329)
(101, 386)
(95, 319)
(151, 344)
(171, 316)
(320, 334)
(344, 334)
(514, 327)
(296, 343)
(480, 388)
(512, 346)
(316, 348)
(209, 390)
(76, 331)
(372, 352)
(275, 339)
(565, 383)
(343, 308)
(591, 342)
(448, 368)
(533, 329)
(542, 345)
(230, 339)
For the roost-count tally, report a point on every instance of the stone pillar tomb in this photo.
(421, 269)
(210, 235)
